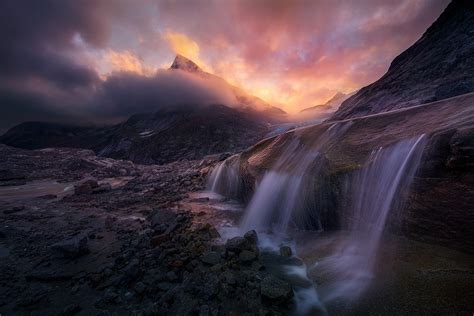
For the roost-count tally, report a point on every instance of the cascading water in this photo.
(286, 191)
(372, 193)
(224, 178)
(283, 190)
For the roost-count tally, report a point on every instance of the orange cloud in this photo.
(183, 45)
(124, 61)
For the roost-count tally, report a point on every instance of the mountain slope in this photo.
(244, 100)
(438, 66)
(170, 134)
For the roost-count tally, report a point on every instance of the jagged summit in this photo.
(183, 63)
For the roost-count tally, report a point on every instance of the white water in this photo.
(283, 191)
(373, 192)
(224, 178)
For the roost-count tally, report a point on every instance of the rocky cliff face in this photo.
(439, 205)
(164, 136)
(438, 66)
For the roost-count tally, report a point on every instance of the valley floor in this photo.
(95, 236)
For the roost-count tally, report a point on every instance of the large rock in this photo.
(71, 248)
(237, 244)
(434, 211)
(275, 289)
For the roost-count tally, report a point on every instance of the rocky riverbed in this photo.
(112, 237)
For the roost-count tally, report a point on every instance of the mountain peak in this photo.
(183, 63)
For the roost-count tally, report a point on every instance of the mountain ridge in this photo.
(437, 66)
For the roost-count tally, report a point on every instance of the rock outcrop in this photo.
(438, 66)
(439, 205)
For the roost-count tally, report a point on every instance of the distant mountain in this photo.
(331, 105)
(171, 134)
(244, 100)
(438, 66)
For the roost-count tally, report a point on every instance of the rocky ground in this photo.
(112, 237)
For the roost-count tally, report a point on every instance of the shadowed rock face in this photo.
(438, 66)
(438, 207)
(160, 137)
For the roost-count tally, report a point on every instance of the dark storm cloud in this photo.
(123, 94)
(37, 35)
(40, 79)
(292, 52)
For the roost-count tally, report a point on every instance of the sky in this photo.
(100, 60)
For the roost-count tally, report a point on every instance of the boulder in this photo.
(237, 244)
(285, 251)
(247, 256)
(211, 258)
(86, 187)
(71, 248)
(275, 289)
(252, 237)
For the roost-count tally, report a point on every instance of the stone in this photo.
(171, 276)
(162, 216)
(211, 258)
(159, 239)
(72, 248)
(71, 310)
(275, 289)
(13, 209)
(247, 256)
(102, 188)
(85, 187)
(140, 287)
(204, 310)
(237, 244)
(286, 251)
(252, 237)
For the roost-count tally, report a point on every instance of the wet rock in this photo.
(252, 237)
(285, 251)
(237, 244)
(275, 289)
(211, 258)
(72, 248)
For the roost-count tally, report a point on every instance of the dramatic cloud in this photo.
(99, 60)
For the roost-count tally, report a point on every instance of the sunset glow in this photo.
(292, 54)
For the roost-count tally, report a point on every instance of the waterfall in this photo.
(285, 190)
(372, 193)
(224, 178)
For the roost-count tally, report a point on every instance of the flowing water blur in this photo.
(224, 178)
(372, 192)
(285, 192)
